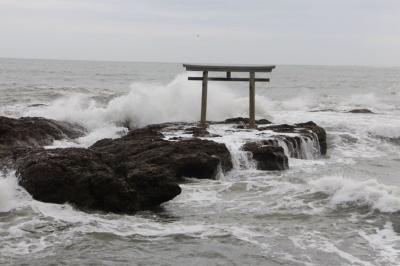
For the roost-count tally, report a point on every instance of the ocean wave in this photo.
(149, 103)
(343, 191)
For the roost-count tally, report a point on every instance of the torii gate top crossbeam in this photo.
(229, 68)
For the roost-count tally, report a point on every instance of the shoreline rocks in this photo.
(35, 131)
(138, 171)
(32, 132)
(305, 129)
(268, 157)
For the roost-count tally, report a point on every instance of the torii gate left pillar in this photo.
(228, 69)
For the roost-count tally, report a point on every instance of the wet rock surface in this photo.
(35, 131)
(268, 157)
(243, 120)
(307, 129)
(140, 170)
(361, 111)
(32, 132)
(78, 176)
(135, 172)
(200, 132)
(146, 146)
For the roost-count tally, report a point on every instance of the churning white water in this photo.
(341, 209)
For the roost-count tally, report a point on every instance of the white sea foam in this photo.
(385, 241)
(148, 103)
(369, 192)
(8, 185)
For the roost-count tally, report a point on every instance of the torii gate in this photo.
(252, 69)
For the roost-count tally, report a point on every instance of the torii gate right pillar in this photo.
(252, 101)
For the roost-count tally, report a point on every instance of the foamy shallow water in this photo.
(342, 209)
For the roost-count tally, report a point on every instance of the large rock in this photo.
(318, 131)
(80, 177)
(176, 159)
(268, 157)
(35, 131)
(244, 120)
(309, 130)
(32, 132)
(135, 172)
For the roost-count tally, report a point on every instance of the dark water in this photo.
(342, 209)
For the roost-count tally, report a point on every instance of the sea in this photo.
(338, 209)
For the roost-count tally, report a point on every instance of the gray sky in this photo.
(354, 32)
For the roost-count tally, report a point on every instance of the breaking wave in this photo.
(345, 191)
(149, 103)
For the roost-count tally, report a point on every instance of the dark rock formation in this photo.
(135, 172)
(35, 131)
(361, 111)
(319, 131)
(292, 142)
(282, 128)
(268, 157)
(37, 105)
(80, 177)
(200, 132)
(305, 129)
(323, 110)
(32, 132)
(242, 120)
(146, 146)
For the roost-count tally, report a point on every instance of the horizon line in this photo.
(197, 62)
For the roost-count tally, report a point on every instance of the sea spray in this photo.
(149, 103)
(344, 191)
(8, 186)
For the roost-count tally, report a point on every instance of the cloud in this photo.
(285, 31)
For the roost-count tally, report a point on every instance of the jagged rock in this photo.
(319, 131)
(37, 105)
(146, 146)
(200, 132)
(283, 128)
(135, 172)
(292, 142)
(80, 177)
(242, 120)
(361, 111)
(35, 131)
(323, 110)
(32, 132)
(306, 129)
(268, 157)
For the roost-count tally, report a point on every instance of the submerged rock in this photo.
(323, 110)
(268, 157)
(200, 132)
(361, 111)
(242, 120)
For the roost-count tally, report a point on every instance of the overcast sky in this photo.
(329, 32)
